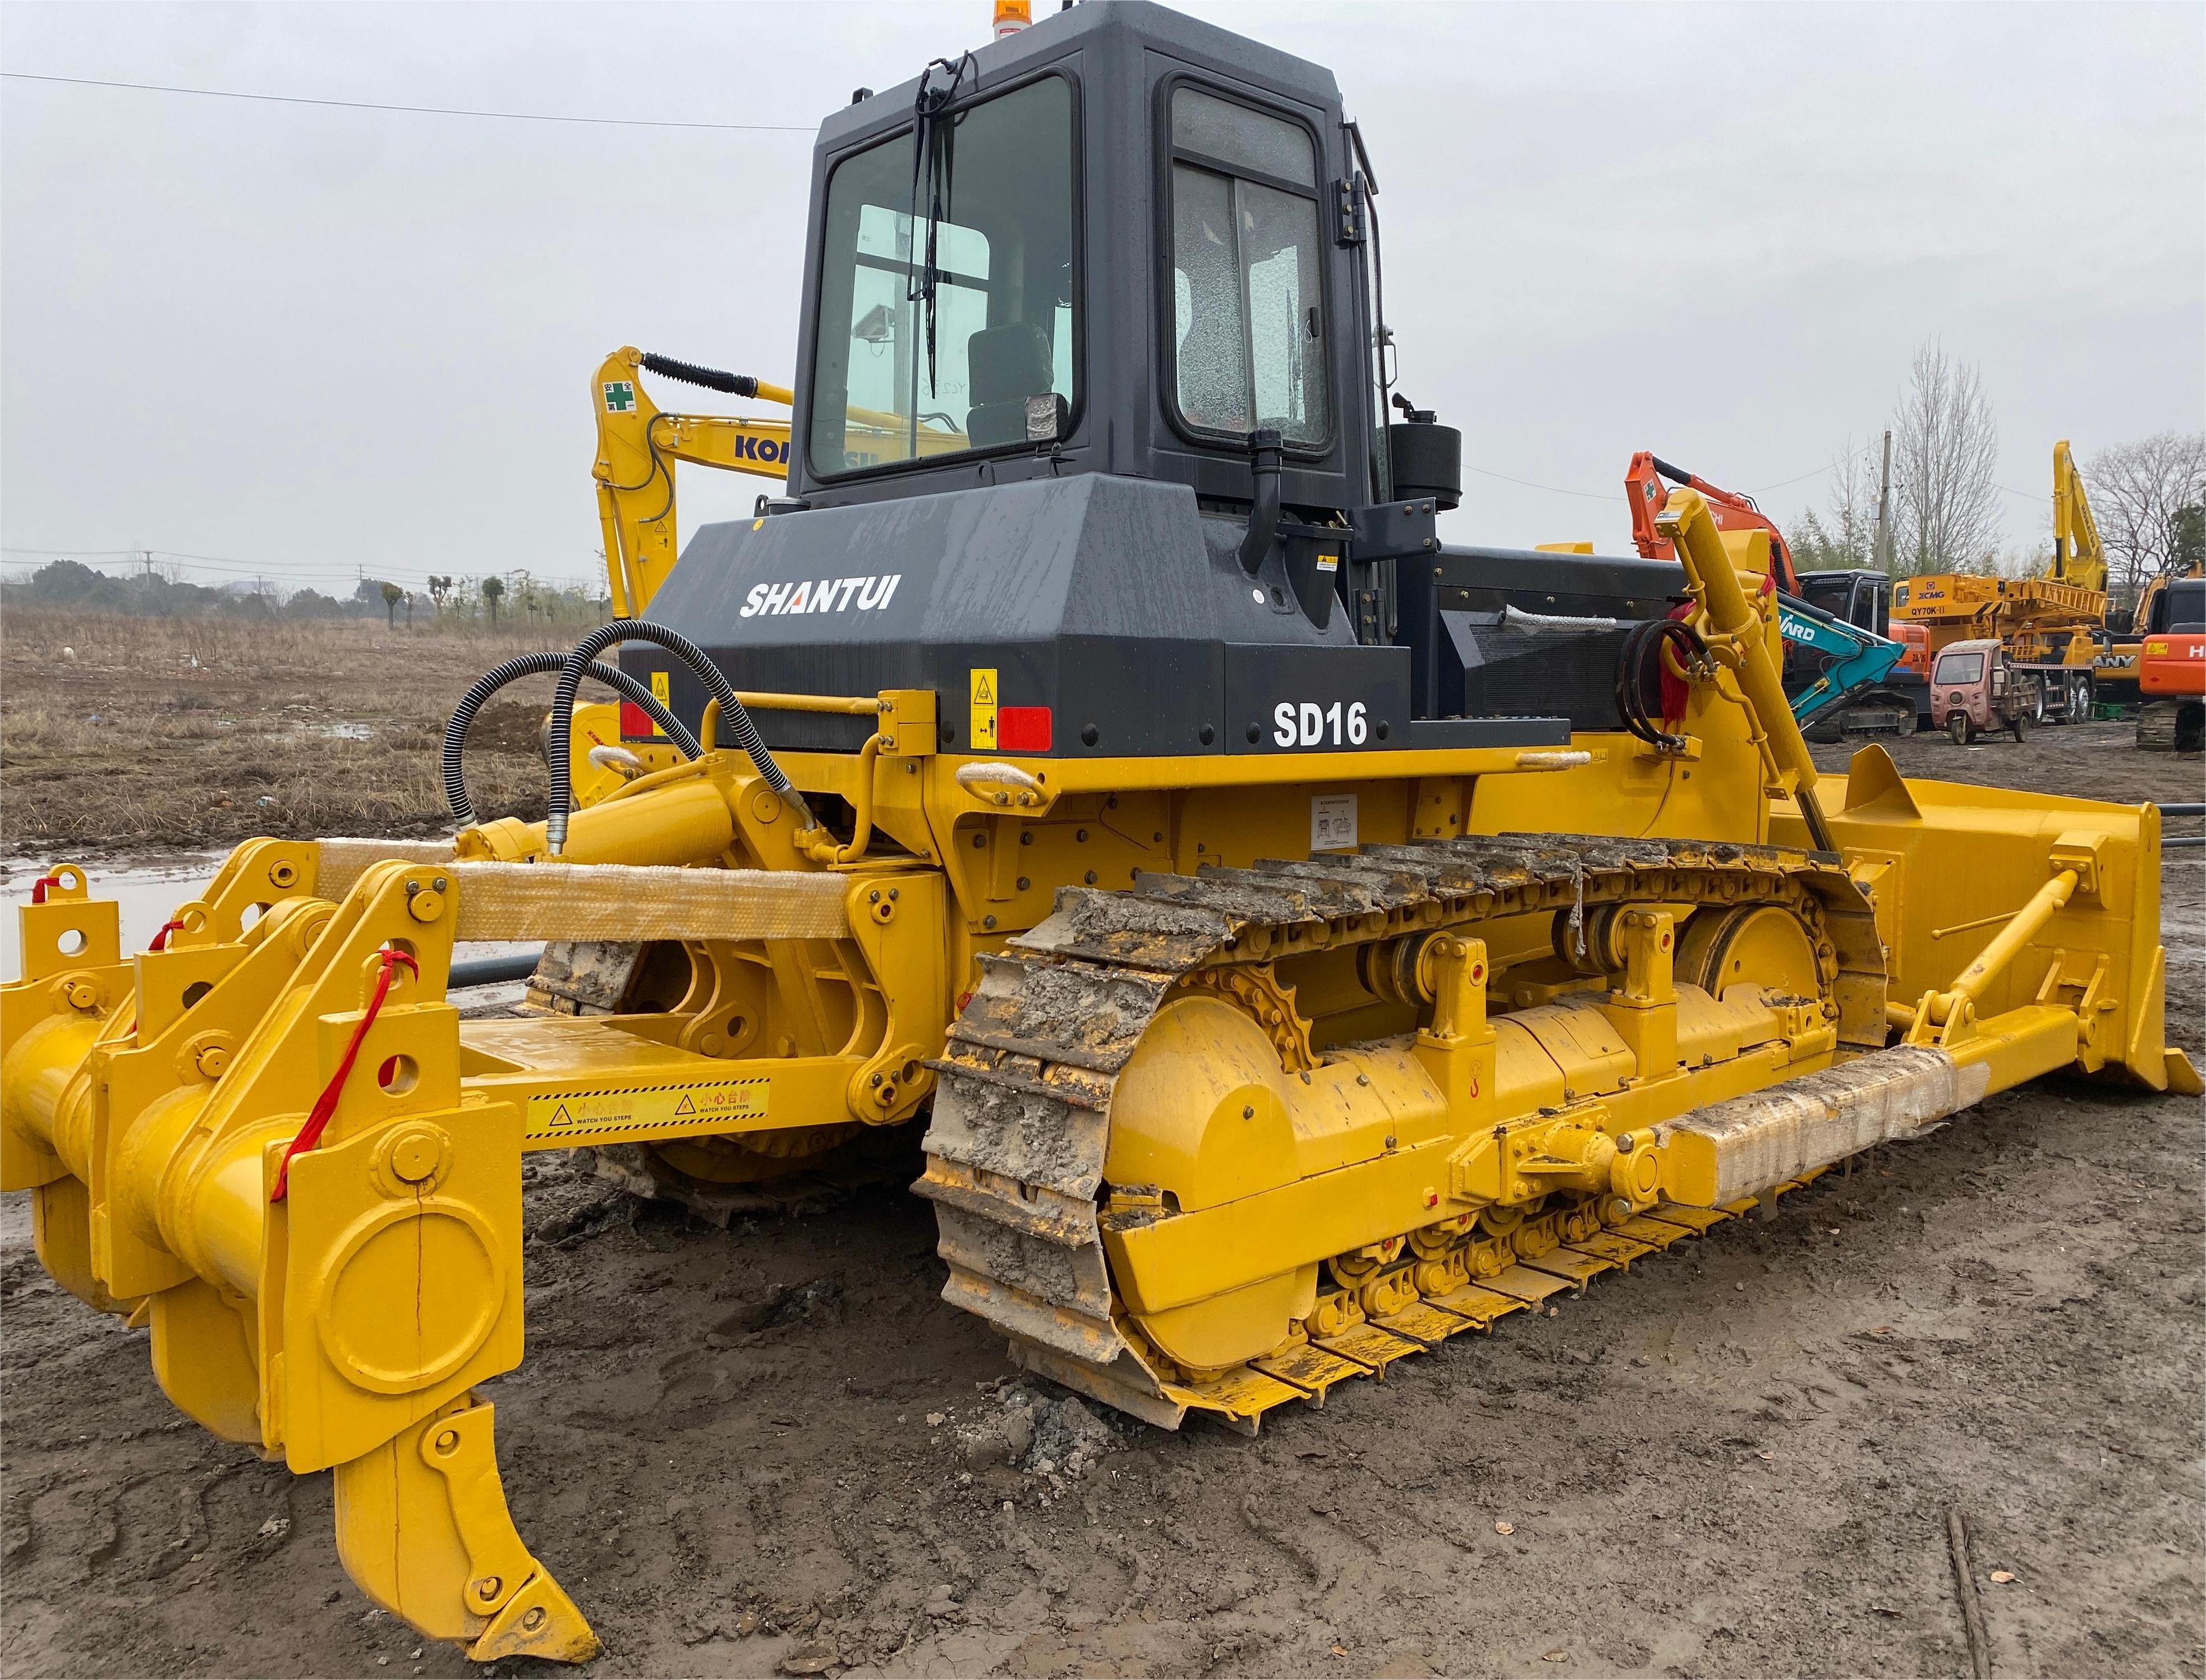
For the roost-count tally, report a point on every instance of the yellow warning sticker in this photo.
(662, 690)
(984, 709)
(652, 1108)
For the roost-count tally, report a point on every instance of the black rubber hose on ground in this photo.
(539, 665)
(734, 719)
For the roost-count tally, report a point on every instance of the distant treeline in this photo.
(516, 599)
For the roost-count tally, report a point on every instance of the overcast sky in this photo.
(306, 340)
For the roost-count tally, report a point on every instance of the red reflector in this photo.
(1023, 728)
(635, 723)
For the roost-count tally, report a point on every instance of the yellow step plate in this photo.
(1477, 1303)
(1522, 1283)
(1309, 1370)
(1573, 1265)
(1370, 1347)
(1654, 1232)
(1692, 1218)
(1613, 1246)
(1423, 1322)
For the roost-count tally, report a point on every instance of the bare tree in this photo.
(1945, 448)
(2140, 493)
(1848, 540)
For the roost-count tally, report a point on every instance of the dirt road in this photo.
(1735, 1460)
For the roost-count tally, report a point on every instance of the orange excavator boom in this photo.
(1733, 511)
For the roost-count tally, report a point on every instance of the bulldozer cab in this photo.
(1119, 241)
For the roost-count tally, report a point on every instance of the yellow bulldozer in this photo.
(1302, 940)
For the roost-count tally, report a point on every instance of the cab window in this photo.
(1960, 668)
(1248, 317)
(944, 314)
(2181, 606)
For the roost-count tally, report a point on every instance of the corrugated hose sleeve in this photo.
(709, 378)
(537, 665)
(733, 718)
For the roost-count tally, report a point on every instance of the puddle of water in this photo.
(148, 894)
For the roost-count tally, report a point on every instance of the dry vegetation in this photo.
(201, 733)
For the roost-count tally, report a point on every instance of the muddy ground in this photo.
(1735, 1461)
(126, 736)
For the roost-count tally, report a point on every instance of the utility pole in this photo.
(1882, 550)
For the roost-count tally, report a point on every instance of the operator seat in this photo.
(1007, 364)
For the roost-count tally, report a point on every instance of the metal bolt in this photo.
(893, 893)
(1248, 1111)
(1390, 1140)
(533, 1619)
(449, 1442)
(1024, 883)
(987, 921)
(1364, 1079)
(487, 1588)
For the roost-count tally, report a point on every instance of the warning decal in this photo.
(652, 1108)
(984, 709)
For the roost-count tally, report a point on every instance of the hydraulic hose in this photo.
(709, 378)
(536, 665)
(1647, 640)
(733, 718)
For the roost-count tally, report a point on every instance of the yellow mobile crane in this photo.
(2052, 626)
(1303, 942)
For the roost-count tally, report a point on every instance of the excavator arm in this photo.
(1855, 658)
(2079, 557)
(1642, 486)
(638, 445)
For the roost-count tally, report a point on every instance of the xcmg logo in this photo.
(825, 595)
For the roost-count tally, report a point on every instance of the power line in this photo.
(416, 110)
(1552, 489)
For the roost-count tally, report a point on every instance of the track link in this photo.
(1021, 1126)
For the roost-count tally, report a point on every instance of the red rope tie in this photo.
(39, 888)
(326, 1104)
(175, 924)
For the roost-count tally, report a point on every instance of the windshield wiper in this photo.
(933, 141)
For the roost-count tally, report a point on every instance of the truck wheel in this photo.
(1958, 728)
(2085, 694)
(2017, 725)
